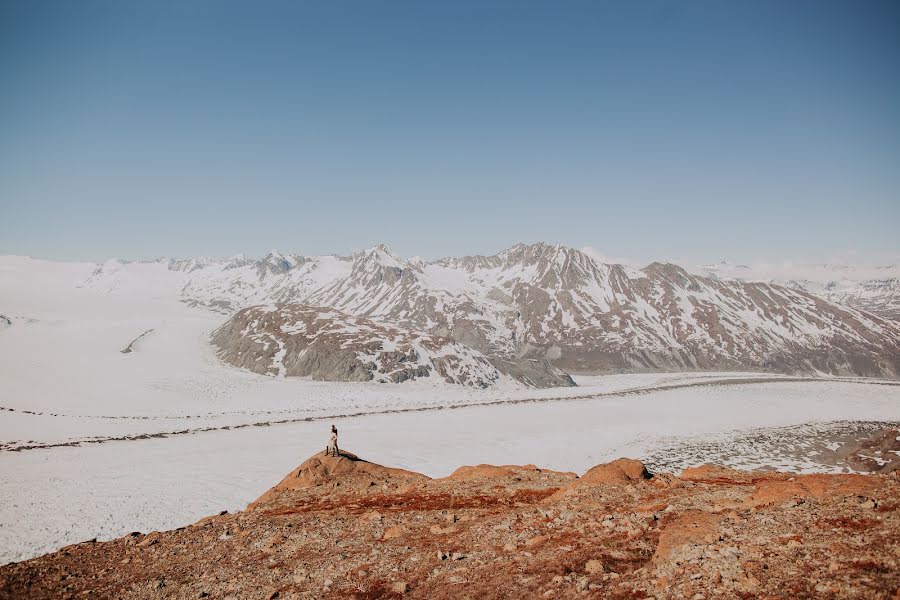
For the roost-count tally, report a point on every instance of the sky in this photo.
(703, 130)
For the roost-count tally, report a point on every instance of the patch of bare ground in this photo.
(346, 528)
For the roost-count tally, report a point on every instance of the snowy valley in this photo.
(531, 311)
(215, 399)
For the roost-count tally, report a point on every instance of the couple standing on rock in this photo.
(332, 447)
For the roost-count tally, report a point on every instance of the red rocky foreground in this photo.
(346, 528)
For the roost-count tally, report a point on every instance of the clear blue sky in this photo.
(699, 129)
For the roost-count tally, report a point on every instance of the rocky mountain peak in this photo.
(672, 274)
(275, 263)
(552, 266)
(378, 265)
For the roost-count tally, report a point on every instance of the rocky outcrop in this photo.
(296, 340)
(341, 527)
(623, 470)
(346, 470)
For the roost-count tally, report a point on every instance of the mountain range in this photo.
(533, 312)
(873, 289)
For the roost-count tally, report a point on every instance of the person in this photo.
(332, 446)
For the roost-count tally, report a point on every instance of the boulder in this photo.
(622, 470)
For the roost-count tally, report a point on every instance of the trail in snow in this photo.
(55, 496)
(17, 447)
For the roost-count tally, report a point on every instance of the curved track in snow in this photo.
(728, 381)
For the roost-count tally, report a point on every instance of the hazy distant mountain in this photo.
(531, 306)
(874, 289)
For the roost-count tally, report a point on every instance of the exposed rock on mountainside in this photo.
(345, 528)
(326, 344)
(554, 303)
(872, 289)
(877, 296)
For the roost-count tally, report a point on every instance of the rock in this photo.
(330, 345)
(401, 587)
(438, 530)
(346, 470)
(690, 527)
(481, 472)
(712, 542)
(593, 567)
(622, 470)
(776, 491)
(274, 541)
(710, 473)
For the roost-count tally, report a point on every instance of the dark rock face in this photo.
(295, 340)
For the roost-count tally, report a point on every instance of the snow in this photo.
(453, 281)
(53, 497)
(64, 379)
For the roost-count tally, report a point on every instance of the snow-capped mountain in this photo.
(323, 343)
(875, 289)
(878, 296)
(544, 302)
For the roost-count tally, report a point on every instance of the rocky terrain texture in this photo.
(830, 447)
(326, 344)
(877, 296)
(872, 289)
(549, 302)
(341, 527)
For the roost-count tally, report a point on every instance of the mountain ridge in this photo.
(549, 302)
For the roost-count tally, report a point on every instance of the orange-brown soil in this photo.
(346, 528)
